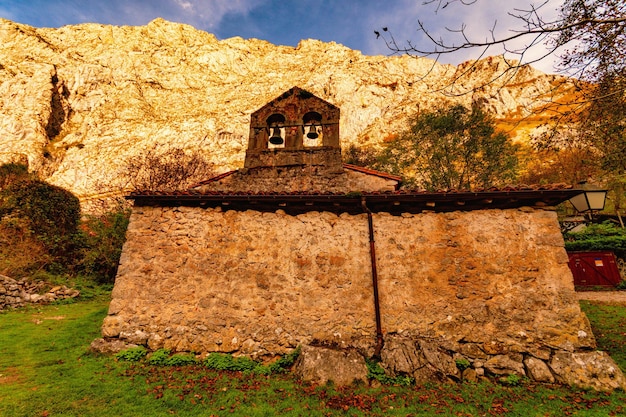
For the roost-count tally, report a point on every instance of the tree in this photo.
(166, 170)
(451, 148)
(588, 36)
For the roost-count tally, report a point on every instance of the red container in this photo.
(594, 269)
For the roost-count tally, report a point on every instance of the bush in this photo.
(11, 173)
(604, 236)
(159, 357)
(132, 354)
(40, 212)
(226, 362)
(102, 238)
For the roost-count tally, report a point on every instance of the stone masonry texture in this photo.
(490, 286)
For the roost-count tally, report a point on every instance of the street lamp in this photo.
(589, 200)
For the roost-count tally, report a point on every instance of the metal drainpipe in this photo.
(379, 332)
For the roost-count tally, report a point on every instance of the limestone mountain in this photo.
(77, 101)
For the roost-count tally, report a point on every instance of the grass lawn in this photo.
(46, 370)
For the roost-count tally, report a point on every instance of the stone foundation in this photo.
(491, 287)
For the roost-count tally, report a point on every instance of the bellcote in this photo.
(293, 129)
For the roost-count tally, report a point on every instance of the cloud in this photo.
(480, 21)
(203, 14)
(286, 22)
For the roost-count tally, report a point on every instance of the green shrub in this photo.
(285, 362)
(462, 364)
(375, 371)
(181, 359)
(102, 239)
(132, 354)
(159, 357)
(53, 212)
(226, 362)
(37, 211)
(604, 236)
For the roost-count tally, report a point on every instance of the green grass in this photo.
(47, 370)
(609, 327)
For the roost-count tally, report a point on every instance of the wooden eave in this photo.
(395, 203)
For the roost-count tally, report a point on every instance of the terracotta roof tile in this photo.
(505, 189)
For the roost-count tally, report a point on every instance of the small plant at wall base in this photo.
(215, 361)
(462, 364)
(512, 380)
(132, 354)
(376, 372)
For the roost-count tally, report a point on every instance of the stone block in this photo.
(589, 370)
(319, 365)
(504, 365)
(538, 370)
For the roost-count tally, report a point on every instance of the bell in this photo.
(276, 139)
(312, 132)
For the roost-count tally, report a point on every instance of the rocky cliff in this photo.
(78, 100)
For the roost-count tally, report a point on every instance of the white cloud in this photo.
(207, 14)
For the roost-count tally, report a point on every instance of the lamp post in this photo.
(589, 200)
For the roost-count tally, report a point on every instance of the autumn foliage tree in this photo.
(589, 39)
(451, 148)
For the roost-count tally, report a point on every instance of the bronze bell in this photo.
(276, 139)
(312, 132)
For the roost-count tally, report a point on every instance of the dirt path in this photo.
(611, 297)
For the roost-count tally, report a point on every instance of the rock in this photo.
(16, 293)
(470, 375)
(538, 370)
(588, 370)
(109, 346)
(401, 355)
(440, 361)
(504, 365)
(424, 360)
(75, 103)
(137, 337)
(320, 365)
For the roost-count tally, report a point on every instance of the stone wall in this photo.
(491, 287)
(299, 178)
(14, 293)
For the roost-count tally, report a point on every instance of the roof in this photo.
(394, 202)
(351, 167)
(370, 171)
(215, 178)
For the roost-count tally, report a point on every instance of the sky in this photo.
(285, 22)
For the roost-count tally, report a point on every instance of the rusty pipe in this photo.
(379, 331)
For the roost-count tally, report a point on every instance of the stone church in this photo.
(300, 249)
